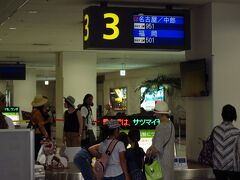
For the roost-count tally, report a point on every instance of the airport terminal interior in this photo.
(129, 55)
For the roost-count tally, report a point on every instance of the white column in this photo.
(24, 91)
(199, 121)
(226, 60)
(76, 76)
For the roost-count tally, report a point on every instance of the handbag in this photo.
(205, 157)
(153, 170)
(152, 167)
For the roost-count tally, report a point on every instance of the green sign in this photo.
(10, 109)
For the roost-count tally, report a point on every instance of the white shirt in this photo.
(9, 122)
(84, 113)
(113, 167)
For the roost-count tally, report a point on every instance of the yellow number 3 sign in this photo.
(112, 26)
(86, 27)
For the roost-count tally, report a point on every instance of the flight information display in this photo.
(135, 28)
(161, 30)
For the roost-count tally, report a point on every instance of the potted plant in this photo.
(154, 85)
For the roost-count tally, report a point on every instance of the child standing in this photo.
(135, 156)
(116, 167)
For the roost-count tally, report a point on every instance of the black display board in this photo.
(136, 28)
(134, 121)
(12, 71)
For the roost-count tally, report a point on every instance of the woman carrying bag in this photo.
(162, 147)
(226, 142)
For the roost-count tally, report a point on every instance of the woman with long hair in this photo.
(88, 121)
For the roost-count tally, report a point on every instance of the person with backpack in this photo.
(86, 112)
(73, 124)
(83, 158)
(135, 156)
(226, 143)
(116, 167)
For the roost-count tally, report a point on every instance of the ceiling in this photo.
(32, 31)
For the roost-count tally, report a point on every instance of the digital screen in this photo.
(12, 113)
(127, 122)
(136, 28)
(118, 98)
(158, 30)
(146, 138)
(180, 163)
(146, 125)
(193, 78)
(182, 160)
(151, 98)
(12, 72)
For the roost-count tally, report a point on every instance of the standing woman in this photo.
(38, 121)
(226, 140)
(163, 141)
(73, 124)
(86, 112)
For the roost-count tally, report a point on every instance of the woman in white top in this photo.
(117, 167)
(163, 141)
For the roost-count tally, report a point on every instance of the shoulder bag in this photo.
(152, 167)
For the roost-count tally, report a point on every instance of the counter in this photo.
(195, 171)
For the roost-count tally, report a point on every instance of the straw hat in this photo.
(161, 107)
(39, 101)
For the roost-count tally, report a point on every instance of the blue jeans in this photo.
(83, 161)
(120, 177)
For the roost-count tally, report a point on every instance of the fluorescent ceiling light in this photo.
(32, 12)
